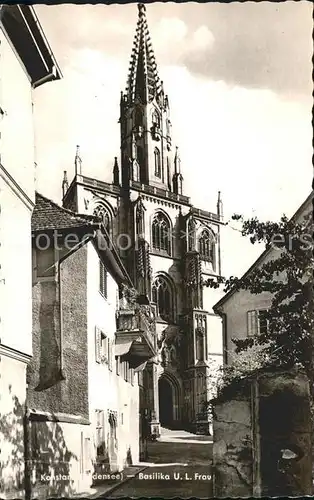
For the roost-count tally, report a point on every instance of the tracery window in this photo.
(191, 235)
(156, 119)
(161, 233)
(162, 296)
(157, 162)
(138, 117)
(206, 246)
(102, 213)
(200, 351)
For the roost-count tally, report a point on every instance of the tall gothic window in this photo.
(163, 298)
(161, 233)
(168, 174)
(102, 213)
(138, 117)
(157, 162)
(200, 351)
(156, 119)
(206, 246)
(191, 235)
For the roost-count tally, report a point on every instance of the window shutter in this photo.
(98, 345)
(252, 323)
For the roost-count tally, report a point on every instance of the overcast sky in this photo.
(238, 77)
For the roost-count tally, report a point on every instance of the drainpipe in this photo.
(60, 261)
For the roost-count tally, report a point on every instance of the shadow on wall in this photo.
(49, 456)
(49, 368)
(51, 461)
(12, 445)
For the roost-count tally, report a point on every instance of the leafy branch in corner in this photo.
(286, 274)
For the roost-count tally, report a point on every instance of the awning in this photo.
(122, 346)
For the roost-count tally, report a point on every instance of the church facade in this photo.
(168, 246)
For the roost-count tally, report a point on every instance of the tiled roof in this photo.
(49, 215)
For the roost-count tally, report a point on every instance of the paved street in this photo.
(179, 465)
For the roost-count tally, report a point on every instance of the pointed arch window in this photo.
(161, 234)
(200, 348)
(162, 296)
(138, 117)
(206, 246)
(168, 174)
(191, 235)
(156, 118)
(157, 163)
(103, 214)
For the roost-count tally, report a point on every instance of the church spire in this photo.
(143, 80)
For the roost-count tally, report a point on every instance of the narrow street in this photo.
(179, 465)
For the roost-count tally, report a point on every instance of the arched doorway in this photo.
(165, 394)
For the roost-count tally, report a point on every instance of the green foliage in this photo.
(287, 276)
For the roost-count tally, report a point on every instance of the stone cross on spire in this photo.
(143, 80)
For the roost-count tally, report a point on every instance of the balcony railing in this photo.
(204, 213)
(138, 319)
(163, 193)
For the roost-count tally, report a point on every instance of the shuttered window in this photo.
(103, 348)
(98, 345)
(257, 323)
(100, 432)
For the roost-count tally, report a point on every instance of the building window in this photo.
(138, 117)
(191, 235)
(87, 455)
(110, 354)
(161, 234)
(157, 163)
(162, 297)
(100, 434)
(168, 174)
(102, 213)
(156, 119)
(103, 347)
(200, 351)
(103, 279)
(257, 322)
(126, 371)
(206, 246)
(118, 365)
(45, 265)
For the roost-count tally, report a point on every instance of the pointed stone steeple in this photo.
(65, 183)
(220, 206)
(116, 174)
(177, 176)
(78, 162)
(143, 80)
(146, 143)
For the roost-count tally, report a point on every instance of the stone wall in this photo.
(262, 437)
(232, 450)
(47, 391)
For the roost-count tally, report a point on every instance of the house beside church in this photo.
(243, 313)
(26, 62)
(90, 343)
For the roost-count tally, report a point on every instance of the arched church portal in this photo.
(168, 393)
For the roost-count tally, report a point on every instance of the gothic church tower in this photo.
(168, 246)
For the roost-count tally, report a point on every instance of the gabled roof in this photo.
(143, 80)
(48, 215)
(264, 254)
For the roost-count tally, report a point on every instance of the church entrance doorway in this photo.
(165, 392)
